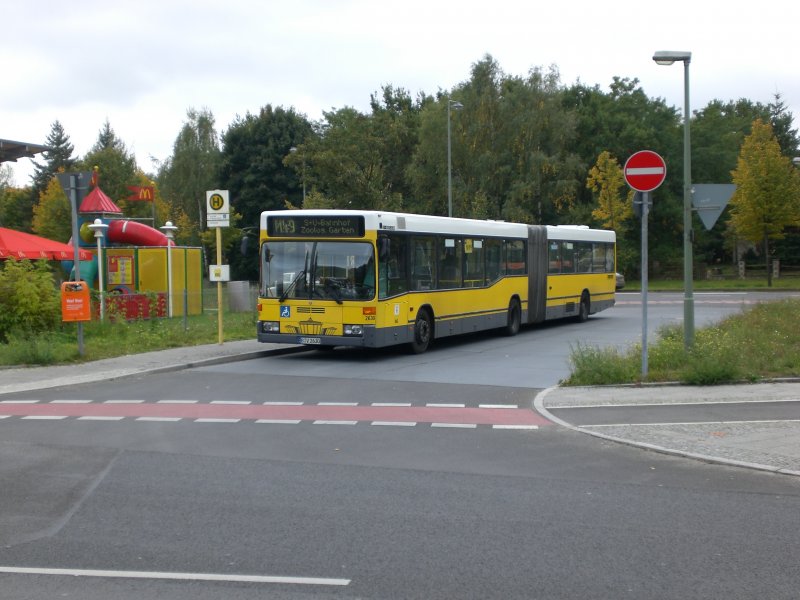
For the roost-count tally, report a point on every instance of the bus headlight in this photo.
(270, 327)
(354, 330)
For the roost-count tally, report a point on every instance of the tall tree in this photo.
(767, 197)
(781, 120)
(606, 180)
(254, 172)
(16, 210)
(52, 215)
(192, 169)
(614, 207)
(116, 167)
(58, 157)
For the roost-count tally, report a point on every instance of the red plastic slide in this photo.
(137, 234)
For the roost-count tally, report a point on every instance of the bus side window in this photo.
(473, 263)
(450, 251)
(554, 257)
(583, 257)
(494, 251)
(392, 266)
(567, 257)
(609, 258)
(423, 267)
(514, 257)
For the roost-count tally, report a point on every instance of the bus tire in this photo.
(423, 332)
(513, 319)
(583, 309)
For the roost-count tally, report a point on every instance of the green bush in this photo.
(29, 301)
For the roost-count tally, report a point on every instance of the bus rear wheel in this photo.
(583, 309)
(513, 319)
(423, 332)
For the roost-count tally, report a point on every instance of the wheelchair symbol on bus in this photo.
(286, 312)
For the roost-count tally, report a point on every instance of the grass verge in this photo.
(760, 343)
(107, 340)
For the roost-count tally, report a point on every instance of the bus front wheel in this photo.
(423, 332)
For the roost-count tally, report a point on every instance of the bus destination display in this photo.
(301, 226)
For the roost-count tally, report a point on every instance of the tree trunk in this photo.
(766, 259)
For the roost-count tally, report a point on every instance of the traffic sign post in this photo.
(644, 171)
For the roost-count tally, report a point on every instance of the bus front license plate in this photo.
(310, 340)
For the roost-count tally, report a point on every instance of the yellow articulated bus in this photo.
(372, 279)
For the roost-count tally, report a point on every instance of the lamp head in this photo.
(667, 57)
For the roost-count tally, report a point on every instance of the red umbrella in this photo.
(18, 245)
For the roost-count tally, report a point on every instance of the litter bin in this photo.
(239, 296)
(75, 301)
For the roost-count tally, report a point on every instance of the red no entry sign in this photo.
(645, 171)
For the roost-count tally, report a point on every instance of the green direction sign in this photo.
(710, 199)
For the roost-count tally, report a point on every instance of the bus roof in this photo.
(392, 221)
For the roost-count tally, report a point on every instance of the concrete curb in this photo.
(538, 405)
(111, 374)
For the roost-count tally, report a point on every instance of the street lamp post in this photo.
(169, 230)
(99, 229)
(667, 58)
(455, 106)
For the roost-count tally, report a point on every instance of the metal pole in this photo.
(169, 277)
(219, 285)
(688, 299)
(101, 286)
(73, 203)
(645, 212)
(449, 167)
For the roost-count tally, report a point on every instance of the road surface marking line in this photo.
(177, 576)
(524, 427)
(688, 403)
(70, 401)
(4, 416)
(99, 418)
(283, 404)
(324, 422)
(177, 402)
(395, 423)
(435, 405)
(455, 425)
(400, 404)
(123, 402)
(337, 403)
(233, 402)
(217, 420)
(18, 401)
(162, 419)
(44, 417)
(280, 421)
(691, 423)
(498, 406)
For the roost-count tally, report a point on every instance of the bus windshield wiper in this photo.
(291, 286)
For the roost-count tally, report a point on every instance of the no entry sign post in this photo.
(644, 171)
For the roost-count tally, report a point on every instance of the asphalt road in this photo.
(280, 477)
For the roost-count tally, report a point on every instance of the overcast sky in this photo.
(142, 64)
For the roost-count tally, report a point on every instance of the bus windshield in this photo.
(338, 271)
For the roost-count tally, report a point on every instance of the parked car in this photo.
(620, 281)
